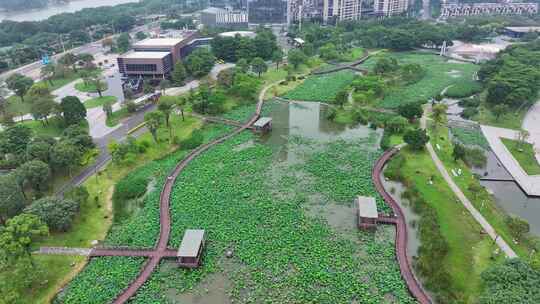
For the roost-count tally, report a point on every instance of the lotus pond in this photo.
(283, 203)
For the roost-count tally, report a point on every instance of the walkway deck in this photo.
(529, 183)
(414, 286)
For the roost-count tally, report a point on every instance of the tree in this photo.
(277, 57)
(181, 102)
(39, 148)
(73, 110)
(14, 139)
(42, 107)
(39, 89)
(459, 152)
(123, 42)
(78, 194)
(439, 113)
(242, 65)
(179, 73)
(341, 98)
(385, 64)
(411, 111)
(164, 84)
(70, 59)
(416, 138)
(12, 200)
(225, 78)
(397, 124)
(165, 106)
(522, 137)
(499, 110)
(18, 234)
(19, 84)
(296, 58)
(34, 173)
(328, 51)
(57, 213)
(107, 43)
(107, 108)
(47, 73)
(99, 85)
(153, 122)
(64, 155)
(140, 35)
(200, 62)
(78, 136)
(259, 66)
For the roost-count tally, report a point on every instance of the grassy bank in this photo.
(99, 101)
(468, 251)
(524, 154)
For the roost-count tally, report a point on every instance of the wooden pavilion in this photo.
(191, 249)
(367, 213)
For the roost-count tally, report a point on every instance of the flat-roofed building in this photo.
(156, 64)
(155, 56)
(520, 31)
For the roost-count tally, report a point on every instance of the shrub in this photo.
(57, 213)
(78, 194)
(468, 113)
(196, 139)
(463, 88)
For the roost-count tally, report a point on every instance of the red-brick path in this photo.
(414, 286)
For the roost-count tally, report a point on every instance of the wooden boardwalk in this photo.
(414, 286)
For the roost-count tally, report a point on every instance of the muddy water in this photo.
(396, 189)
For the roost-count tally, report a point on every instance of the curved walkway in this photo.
(161, 249)
(414, 286)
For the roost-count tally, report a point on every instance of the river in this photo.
(44, 13)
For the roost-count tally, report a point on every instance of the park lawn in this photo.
(57, 272)
(323, 88)
(54, 128)
(99, 101)
(18, 108)
(510, 120)
(482, 200)
(88, 87)
(440, 73)
(524, 154)
(96, 215)
(469, 251)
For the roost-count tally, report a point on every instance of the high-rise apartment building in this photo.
(267, 11)
(390, 7)
(342, 10)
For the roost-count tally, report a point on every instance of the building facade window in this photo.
(141, 67)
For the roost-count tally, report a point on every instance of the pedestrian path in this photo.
(486, 226)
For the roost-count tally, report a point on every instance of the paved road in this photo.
(486, 226)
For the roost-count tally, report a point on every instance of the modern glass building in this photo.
(267, 11)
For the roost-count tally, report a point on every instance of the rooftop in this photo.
(167, 42)
(214, 10)
(367, 207)
(191, 243)
(523, 29)
(241, 33)
(261, 122)
(145, 55)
